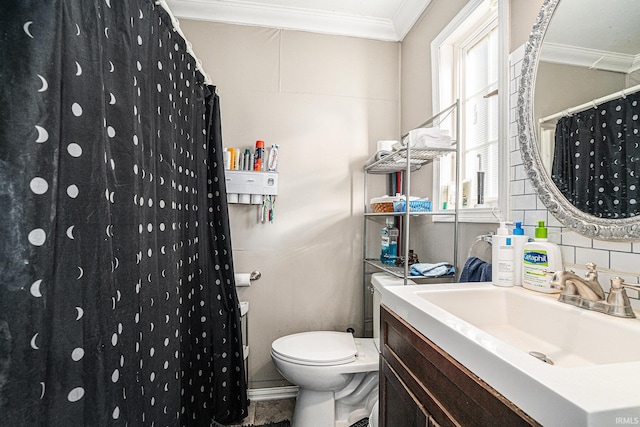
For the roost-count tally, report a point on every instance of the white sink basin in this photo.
(595, 378)
(568, 336)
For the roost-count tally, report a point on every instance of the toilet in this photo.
(336, 374)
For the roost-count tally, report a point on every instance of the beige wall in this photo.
(325, 100)
(523, 16)
(560, 86)
(416, 61)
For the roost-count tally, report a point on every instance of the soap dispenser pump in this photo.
(502, 257)
(519, 240)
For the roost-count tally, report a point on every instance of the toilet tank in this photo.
(378, 282)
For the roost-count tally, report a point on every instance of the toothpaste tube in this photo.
(273, 158)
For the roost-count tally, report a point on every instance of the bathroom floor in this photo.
(273, 411)
(268, 411)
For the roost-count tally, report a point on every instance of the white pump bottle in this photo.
(502, 257)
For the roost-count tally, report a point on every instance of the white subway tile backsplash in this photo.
(554, 235)
(568, 254)
(517, 216)
(553, 222)
(626, 262)
(596, 256)
(514, 145)
(572, 238)
(531, 217)
(513, 128)
(517, 187)
(528, 187)
(523, 202)
(516, 158)
(513, 98)
(519, 172)
(612, 246)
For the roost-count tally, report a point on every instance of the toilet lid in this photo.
(316, 348)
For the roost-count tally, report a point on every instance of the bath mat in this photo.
(362, 423)
(285, 423)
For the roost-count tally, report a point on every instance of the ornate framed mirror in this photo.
(621, 226)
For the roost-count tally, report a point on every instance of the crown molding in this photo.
(317, 21)
(590, 58)
(407, 15)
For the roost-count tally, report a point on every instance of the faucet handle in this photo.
(618, 283)
(618, 300)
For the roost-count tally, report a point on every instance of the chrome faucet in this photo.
(571, 284)
(588, 294)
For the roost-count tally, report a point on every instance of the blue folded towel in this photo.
(432, 270)
(476, 270)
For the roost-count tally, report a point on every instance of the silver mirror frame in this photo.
(627, 229)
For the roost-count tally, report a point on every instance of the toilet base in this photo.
(314, 409)
(337, 409)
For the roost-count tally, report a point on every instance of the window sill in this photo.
(473, 215)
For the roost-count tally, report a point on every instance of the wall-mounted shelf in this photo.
(251, 182)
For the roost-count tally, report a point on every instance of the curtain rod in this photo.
(593, 104)
(176, 28)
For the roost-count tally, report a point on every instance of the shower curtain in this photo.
(596, 163)
(117, 298)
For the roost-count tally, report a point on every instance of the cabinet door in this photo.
(446, 391)
(399, 407)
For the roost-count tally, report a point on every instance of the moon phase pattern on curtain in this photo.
(596, 163)
(117, 300)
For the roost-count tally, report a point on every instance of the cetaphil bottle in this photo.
(539, 259)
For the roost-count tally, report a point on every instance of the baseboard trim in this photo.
(272, 393)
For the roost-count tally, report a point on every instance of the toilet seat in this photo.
(317, 348)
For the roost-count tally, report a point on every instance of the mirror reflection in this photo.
(587, 103)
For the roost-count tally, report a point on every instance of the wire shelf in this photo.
(397, 161)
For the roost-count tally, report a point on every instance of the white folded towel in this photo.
(426, 138)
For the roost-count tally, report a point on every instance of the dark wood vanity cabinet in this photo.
(422, 386)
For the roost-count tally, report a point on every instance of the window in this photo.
(469, 63)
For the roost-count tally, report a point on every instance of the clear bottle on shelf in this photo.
(389, 242)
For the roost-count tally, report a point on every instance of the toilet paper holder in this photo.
(247, 279)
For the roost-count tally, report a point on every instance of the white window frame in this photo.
(440, 77)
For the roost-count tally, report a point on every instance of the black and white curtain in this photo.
(596, 162)
(117, 299)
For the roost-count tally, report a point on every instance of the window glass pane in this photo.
(481, 114)
(493, 55)
(472, 63)
(477, 62)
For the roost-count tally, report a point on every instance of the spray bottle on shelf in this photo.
(502, 256)
(519, 240)
(540, 258)
(389, 242)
